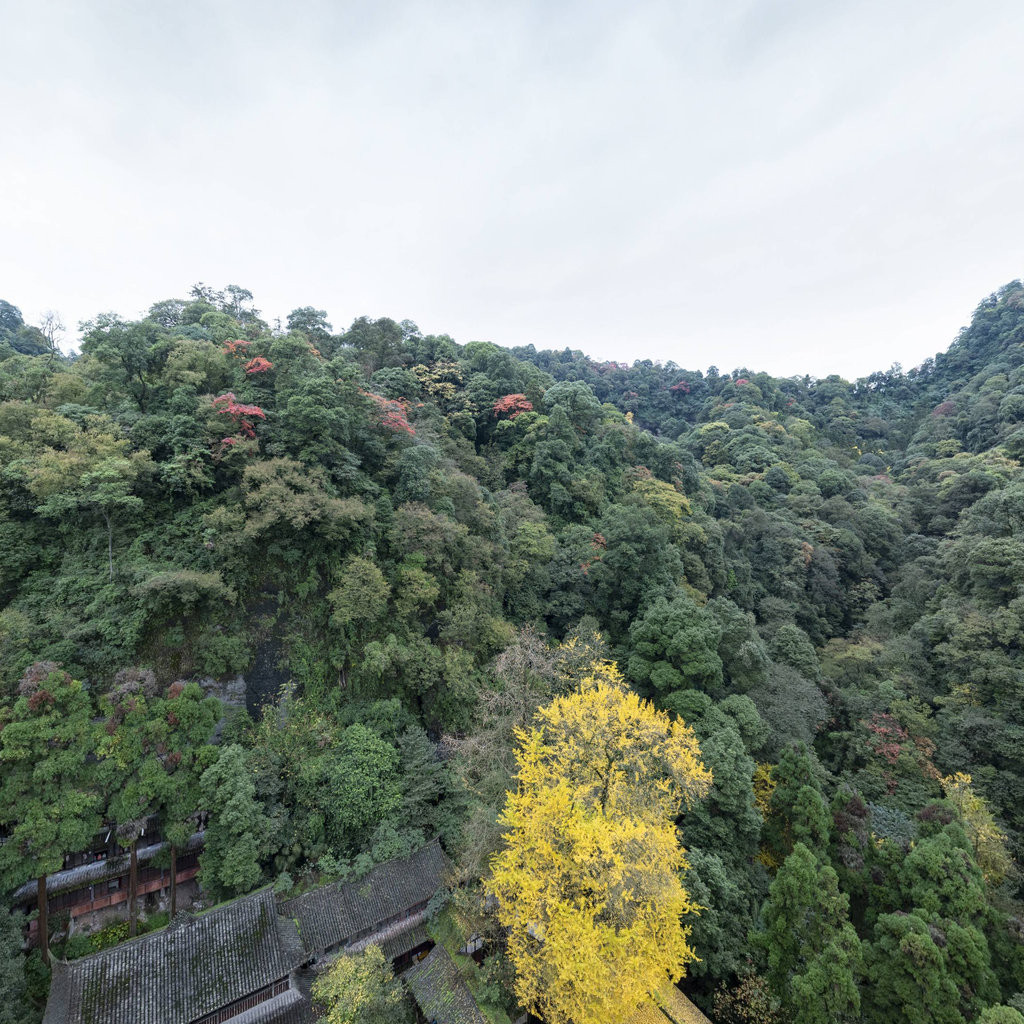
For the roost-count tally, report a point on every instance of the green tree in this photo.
(359, 988)
(134, 775)
(792, 706)
(790, 646)
(744, 657)
(237, 303)
(318, 423)
(237, 830)
(312, 322)
(348, 789)
(637, 564)
(428, 785)
(727, 821)
(378, 342)
(71, 468)
(827, 990)
(939, 876)
(357, 603)
(22, 338)
(675, 646)
(551, 473)
(791, 811)
(284, 498)
(183, 724)
(810, 821)
(49, 795)
(14, 1007)
(728, 903)
(577, 400)
(128, 354)
(906, 981)
(104, 489)
(327, 786)
(168, 313)
(10, 318)
(812, 951)
(1000, 1015)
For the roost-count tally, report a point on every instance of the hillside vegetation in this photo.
(408, 545)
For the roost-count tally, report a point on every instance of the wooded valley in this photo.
(442, 569)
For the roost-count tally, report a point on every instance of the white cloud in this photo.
(796, 187)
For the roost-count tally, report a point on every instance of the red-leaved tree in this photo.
(394, 412)
(242, 414)
(512, 406)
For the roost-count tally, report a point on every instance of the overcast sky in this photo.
(798, 187)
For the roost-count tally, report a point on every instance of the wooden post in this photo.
(174, 880)
(43, 925)
(133, 885)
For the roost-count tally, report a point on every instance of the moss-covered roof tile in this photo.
(440, 990)
(668, 1005)
(331, 915)
(177, 975)
(678, 1008)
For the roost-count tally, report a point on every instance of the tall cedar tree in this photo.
(237, 831)
(184, 722)
(49, 797)
(155, 749)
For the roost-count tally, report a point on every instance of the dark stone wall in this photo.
(264, 679)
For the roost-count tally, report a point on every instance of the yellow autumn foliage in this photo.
(988, 841)
(588, 882)
(764, 786)
(359, 987)
(668, 504)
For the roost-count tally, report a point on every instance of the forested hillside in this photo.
(407, 546)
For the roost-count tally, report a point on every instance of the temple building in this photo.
(201, 969)
(250, 961)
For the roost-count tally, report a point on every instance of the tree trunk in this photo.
(174, 880)
(110, 543)
(143, 392)
(43, 924)
(133, 885)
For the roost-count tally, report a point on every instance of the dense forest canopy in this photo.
(407, 546)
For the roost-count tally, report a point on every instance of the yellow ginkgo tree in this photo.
(587, 884)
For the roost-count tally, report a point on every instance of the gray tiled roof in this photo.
(96, 871)
(403, 942)
(440, 990)
(330, 916)
(291, 1007)
(195, 966)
